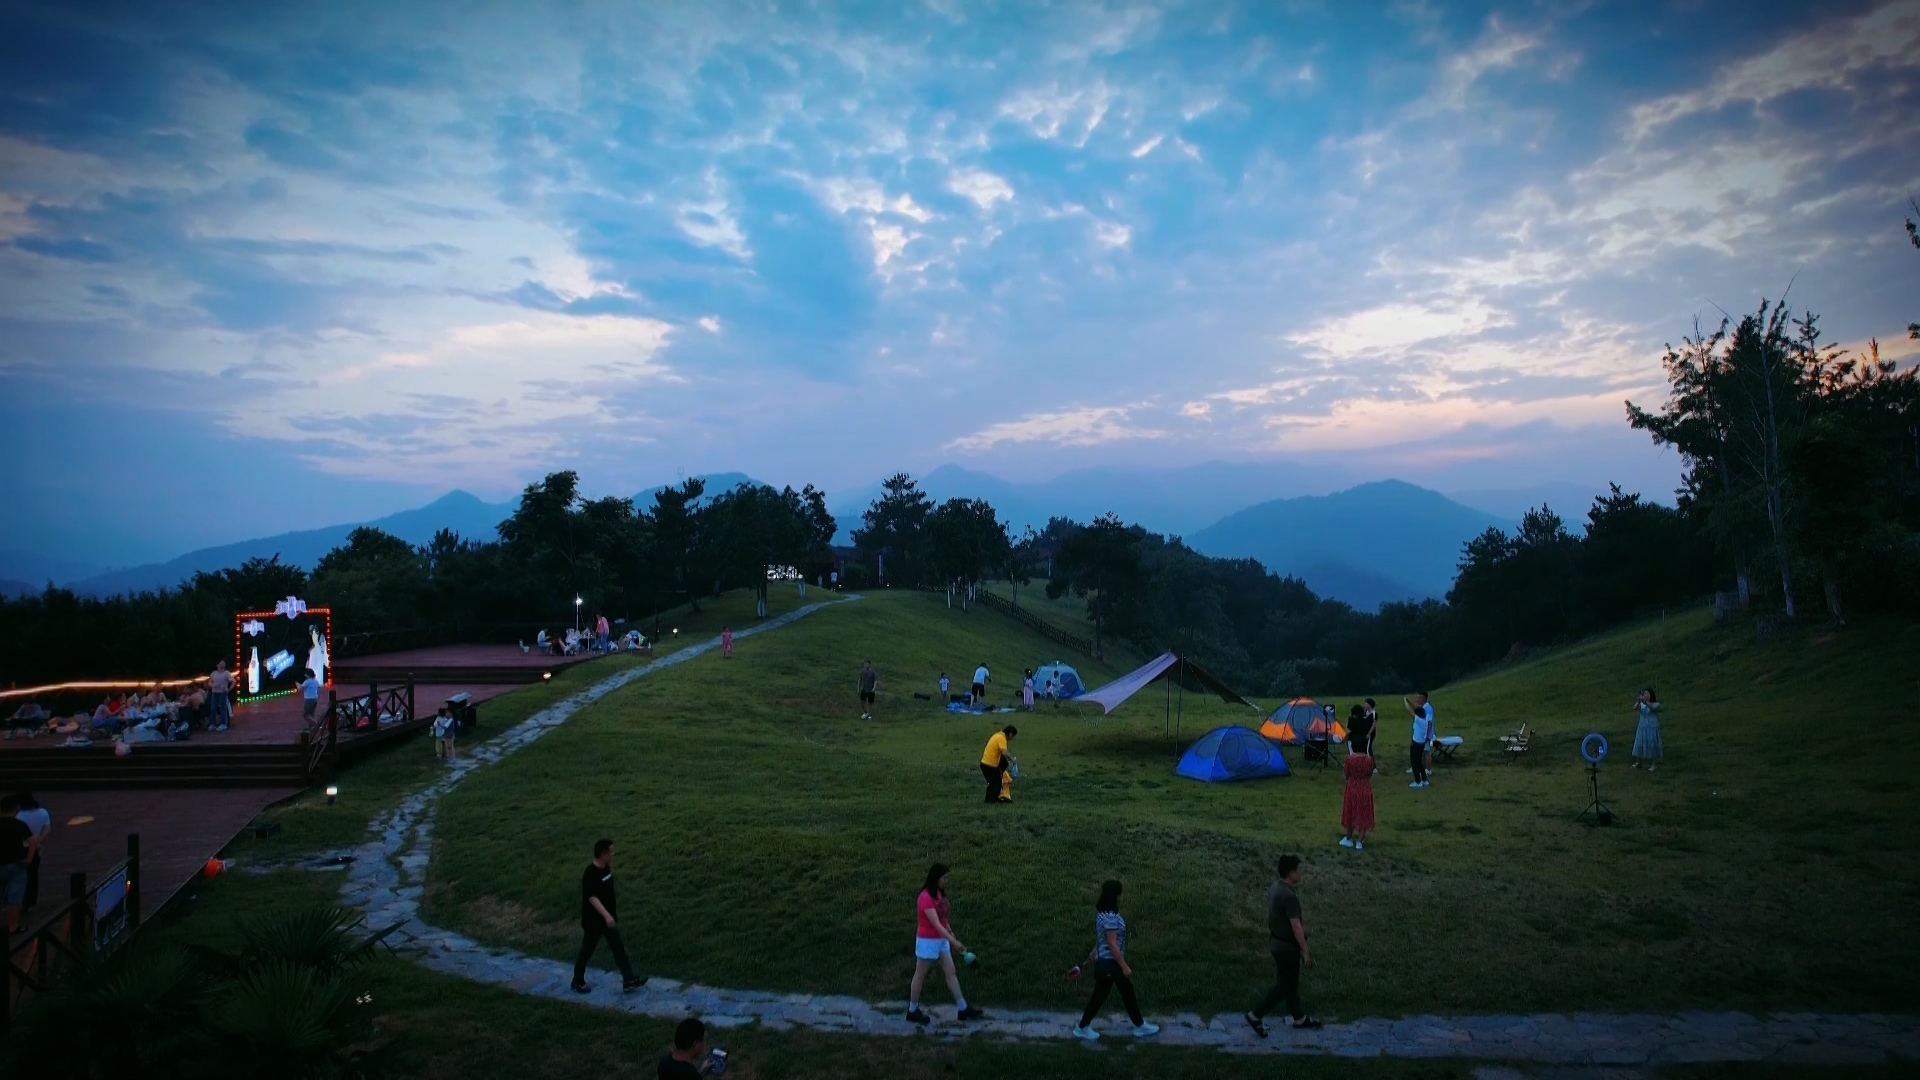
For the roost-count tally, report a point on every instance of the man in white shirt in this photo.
(1422, 714)
(980, 683)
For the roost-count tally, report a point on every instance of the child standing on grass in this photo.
(1646, 737)
(443, 733)
(726, 643)
(1026, 690)
(943, 689)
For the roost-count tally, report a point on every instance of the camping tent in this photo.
(1300, 719)
(1231, 753)
(1066, 681)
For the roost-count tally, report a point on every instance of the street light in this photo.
(576, 614)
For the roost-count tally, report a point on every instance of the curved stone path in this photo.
(388, 876)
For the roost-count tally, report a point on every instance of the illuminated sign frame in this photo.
(259, 618)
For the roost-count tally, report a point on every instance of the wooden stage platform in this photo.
(180, 827)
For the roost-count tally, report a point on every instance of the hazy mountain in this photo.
(1364, 543)
(1172, 501)
(468, 515)
(38, 569)
(456, 510)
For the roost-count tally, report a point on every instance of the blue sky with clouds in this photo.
(268, 266)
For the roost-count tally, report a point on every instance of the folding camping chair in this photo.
(1517, 742)
(1445, 745)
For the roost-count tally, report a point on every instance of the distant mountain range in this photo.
(465, 514)
(1387, 540)
(1381, 541)
(1173, 501)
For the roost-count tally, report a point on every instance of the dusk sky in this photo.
(272, 266)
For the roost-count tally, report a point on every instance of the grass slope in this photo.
(768, 838)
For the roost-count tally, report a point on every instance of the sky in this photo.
(265, 267)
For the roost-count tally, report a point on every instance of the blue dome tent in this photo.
(1066, 681)
(1231, 753)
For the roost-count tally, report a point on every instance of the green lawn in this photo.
(769, 838)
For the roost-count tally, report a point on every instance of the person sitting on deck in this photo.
(28, 717)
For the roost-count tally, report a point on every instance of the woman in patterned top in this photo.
(1110, 967)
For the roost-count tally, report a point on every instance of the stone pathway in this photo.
(388, 874)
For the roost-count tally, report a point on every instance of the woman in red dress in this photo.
(1356, 805)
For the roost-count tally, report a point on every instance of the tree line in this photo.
(625, 561)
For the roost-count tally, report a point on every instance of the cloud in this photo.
(1084, 426)
(1396, 326)
(984, 188)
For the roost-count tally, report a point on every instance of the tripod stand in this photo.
(1601, 813)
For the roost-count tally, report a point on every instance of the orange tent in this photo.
(1300, 719)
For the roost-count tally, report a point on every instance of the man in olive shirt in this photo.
(597, 911)
(1287, 942)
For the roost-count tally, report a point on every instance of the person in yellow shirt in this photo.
(995, 759)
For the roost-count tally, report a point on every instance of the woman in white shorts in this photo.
(934, 943)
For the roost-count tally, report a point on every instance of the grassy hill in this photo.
(771, 839)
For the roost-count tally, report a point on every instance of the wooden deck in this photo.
(180, 828)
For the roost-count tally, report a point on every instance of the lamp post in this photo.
(576, 614)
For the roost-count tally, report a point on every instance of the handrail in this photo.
(77, 925)
(1034, 622)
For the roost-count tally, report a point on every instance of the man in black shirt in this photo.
(689, 1047)
(597, 910)
(17, 848)
(1287, 943)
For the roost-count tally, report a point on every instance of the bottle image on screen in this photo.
(253, 673)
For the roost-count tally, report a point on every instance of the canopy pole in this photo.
(1180, 715)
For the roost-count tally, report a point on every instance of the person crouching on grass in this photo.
(934, 943)
(995, 760)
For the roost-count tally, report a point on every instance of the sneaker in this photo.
(916, 1016)
(635, 983)
(1636, 764)
(1307, 1023)
(1415, 784)
(581, 988)
(1144, 1031)
(1359, 845)
(969, 1013)
(1345, 842)
(1650, 768)
(1086, 1033)
(1258, 1025)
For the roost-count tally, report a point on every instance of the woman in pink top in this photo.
(934, 944)
(726, 642)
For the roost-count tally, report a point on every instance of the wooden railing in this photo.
(321, 739)
(1028, 619)
(100, 919)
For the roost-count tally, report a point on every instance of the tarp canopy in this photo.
(1066, 681)
(1300, 719)
(1110, 696)
(1231, 753)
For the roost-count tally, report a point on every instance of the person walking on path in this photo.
(1287, 943)
(1110, 968)
(995, 759)
(1646, 737)
(1356, 804)
(1026, 690)
(17, 850)
(597, 920)
(869, 684)
(726, 643)
(980, 677)
(934, 943)
(40, 824)
(309, 698)
(444, 732)
(219, 697)
(1422, 714)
